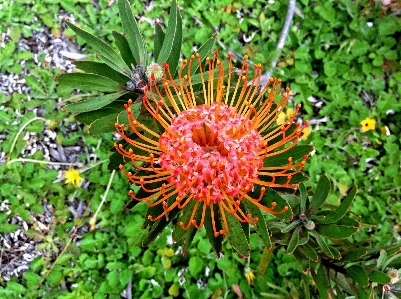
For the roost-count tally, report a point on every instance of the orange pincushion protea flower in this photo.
(214, 144)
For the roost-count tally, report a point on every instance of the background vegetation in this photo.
(341, 58)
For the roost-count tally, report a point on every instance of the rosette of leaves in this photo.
(121, 73)
(318, 237)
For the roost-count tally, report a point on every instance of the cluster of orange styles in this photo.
(214, 142)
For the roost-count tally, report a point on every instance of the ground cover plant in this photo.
(68, 227)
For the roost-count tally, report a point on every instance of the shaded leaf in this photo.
(308, 252)
(101, 69)
(236, 236)
(179, 232)
(264, 260)
(123, 47)
(204, 51)
(334, 231)
(292, 245)
(379, 277)
(132, 32)
(297, 153)
(106, 51)
(159, 38)
(358, 274)
(322, 283)
(103, 124)
(322, 244)
(216, 242)
(260, 226)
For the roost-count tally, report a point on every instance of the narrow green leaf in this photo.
(379, 277)
(131, 30)
(303, 196)
(260, 226)
(321, 193)
(292, 245)
(271, 196)
(335, 231)
(94, 103)
(89, 82)
(101, 69)
(345, 205)
(394, 261)
(189, 237)
(290, 227)
(335, 252)
(113, 59)
(175, 53)
(309, 252)
(103, 125)
(363, 293)
(322, 244)
(89, 117)
(236, 236)
(265, 259)
(204, 51)
(296, 153)
(382, 259)
(123, 47)
(216, 242)
(170, 37)
(159, 38)
(354, 255)
(358, 274)
(322, 283)
(179, 232)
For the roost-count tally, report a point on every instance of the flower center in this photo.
(211, 152)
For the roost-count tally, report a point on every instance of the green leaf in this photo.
(159, 38)
(107, 53)
(204, 51)
(335, 231)
(296, 153)
(123, 47)
(178, 232)
(342, 209)
(172, 38)
(394, 261)
(260, 226)
(321, 193)
(354, 255)
(303, 196)
(264, 260)
(216, 242)
(292, 245)
(358, 274)
(309, 252)
(6, 228)
(379, 277)
(195, 265)
(103, 124)
(271, 196)
(94, 103)
(290, 227)
(236, 236)
(134, 37)
(322, 244)
(322, 283)
(189, 237)
(101, 69)
(89, 82)
(382, 259)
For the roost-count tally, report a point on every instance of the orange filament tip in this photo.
(216, 234)
(130, 192)
(192, 57)
(185, 77)
(193, 222)
(245, 57)
(306, 123)
(218, 62)
(129, 101)
(243, 78)
(121, 166)
(285, 208)
(207, 58)
(279, 81)
(197, 55)
(222, 232)
(165, 84)
(151, 155)
(184, 62)
(290, 160)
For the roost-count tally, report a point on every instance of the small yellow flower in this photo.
(250, 277)
(368, 124)
(306, 133)
(72, 177)
(283, 116)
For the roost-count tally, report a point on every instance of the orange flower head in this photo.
(214, 143)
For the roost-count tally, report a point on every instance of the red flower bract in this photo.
(214, 142)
